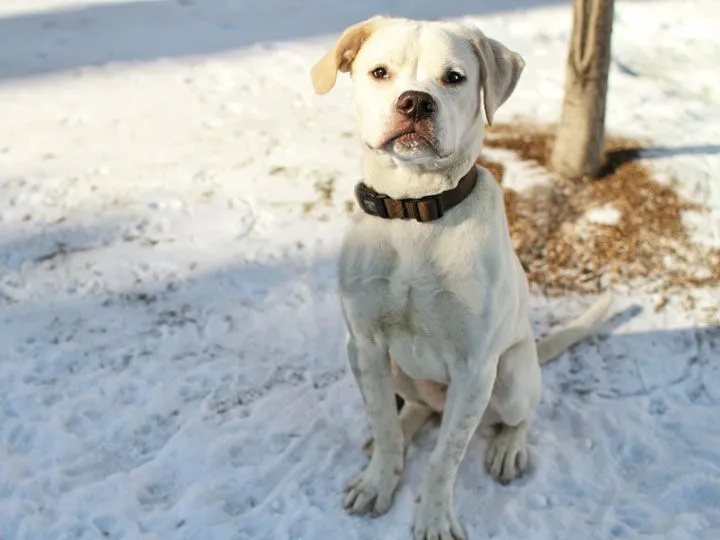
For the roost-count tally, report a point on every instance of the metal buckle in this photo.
(372, 203)
(437, 204)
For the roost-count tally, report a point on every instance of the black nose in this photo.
(414, 104)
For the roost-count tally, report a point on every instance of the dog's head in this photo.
(421, 87)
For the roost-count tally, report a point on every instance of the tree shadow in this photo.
(614, 159)
(47, 42)
(58, 241)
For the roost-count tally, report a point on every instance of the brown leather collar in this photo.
(423, 210)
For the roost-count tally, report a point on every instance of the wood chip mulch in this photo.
(562, 251)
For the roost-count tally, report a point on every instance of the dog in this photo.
(433, 294)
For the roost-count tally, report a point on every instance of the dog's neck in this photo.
(402, 180)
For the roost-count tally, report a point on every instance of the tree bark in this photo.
(579, 147)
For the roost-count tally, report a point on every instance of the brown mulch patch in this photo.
(562, 252)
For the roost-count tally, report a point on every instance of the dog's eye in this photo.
(380, 73)
(453, 77)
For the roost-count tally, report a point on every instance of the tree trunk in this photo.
(579, 148)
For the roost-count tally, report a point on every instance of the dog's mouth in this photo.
(411, 140)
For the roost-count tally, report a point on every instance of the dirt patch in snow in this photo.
(563, 251)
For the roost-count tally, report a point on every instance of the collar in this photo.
(423, 209)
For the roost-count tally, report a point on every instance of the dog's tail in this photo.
(576, 330)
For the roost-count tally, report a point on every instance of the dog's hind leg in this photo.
(515, 395)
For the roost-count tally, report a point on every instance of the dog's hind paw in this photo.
(507, 455)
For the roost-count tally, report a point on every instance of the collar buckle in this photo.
(432, 201)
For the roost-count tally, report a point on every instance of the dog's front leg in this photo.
(372, 491)
(468, 395)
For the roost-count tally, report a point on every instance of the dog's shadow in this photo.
(641, 371)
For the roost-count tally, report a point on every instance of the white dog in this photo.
(434, 296)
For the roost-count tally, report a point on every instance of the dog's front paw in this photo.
(368, 447)
(435, 520)
(372, 492)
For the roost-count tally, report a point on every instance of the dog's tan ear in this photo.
(342, 54)
(500, 70)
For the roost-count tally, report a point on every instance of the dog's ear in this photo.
(500, 70)
(340, 57)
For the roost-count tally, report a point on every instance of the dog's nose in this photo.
(415, 104)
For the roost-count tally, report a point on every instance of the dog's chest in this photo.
(410, 298)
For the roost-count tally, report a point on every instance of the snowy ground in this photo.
(172, 353)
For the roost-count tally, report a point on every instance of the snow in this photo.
(606, 214)
(172, 362)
